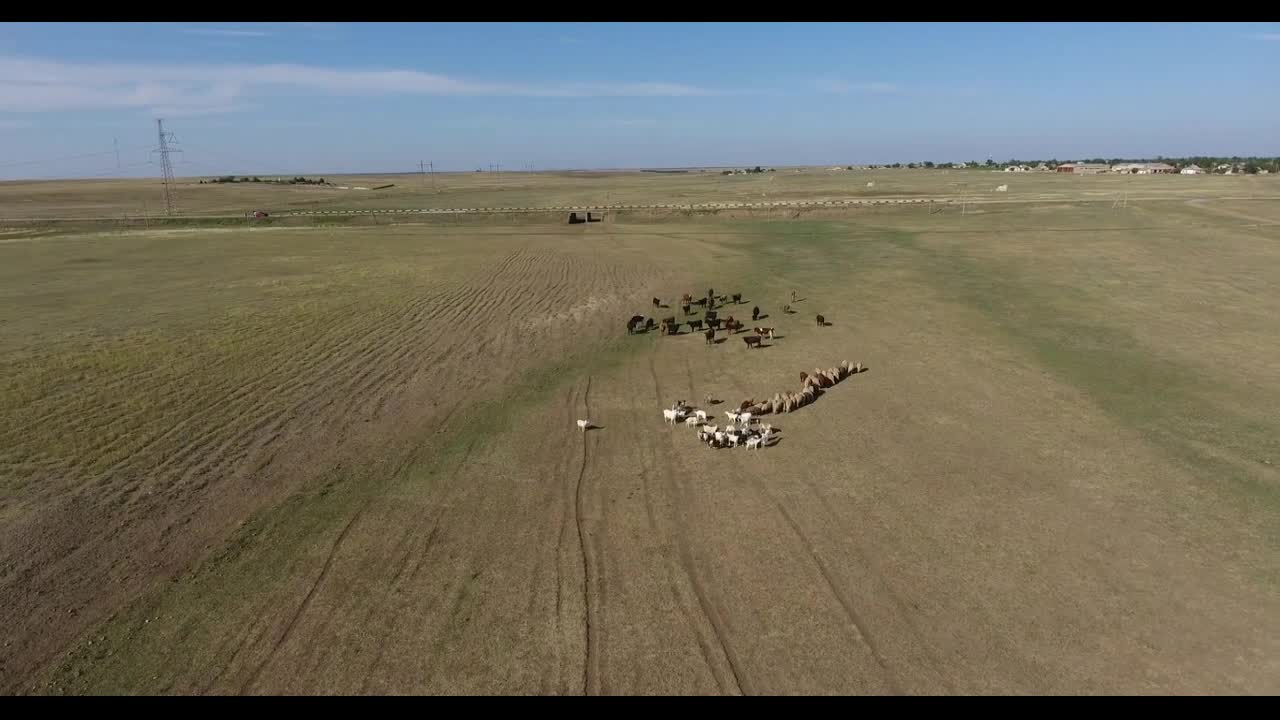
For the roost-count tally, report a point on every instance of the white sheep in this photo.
(701, 415)
(583, 425)
(732, 415)
(753, 443)
(672, 416)
(692, 421)
(744, 418)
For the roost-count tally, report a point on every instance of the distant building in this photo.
(1083, 168)
(1192, 170)
(1017, 168)
(1157, 168)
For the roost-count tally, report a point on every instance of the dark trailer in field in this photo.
(584, 217)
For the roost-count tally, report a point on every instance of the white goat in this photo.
(753, 443)
(732, 415)
(744, 418)
(672, 416)
(701, 415)
(692, 421)
(583, 425)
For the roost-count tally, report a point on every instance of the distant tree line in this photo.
(277, 181)
(749, 171)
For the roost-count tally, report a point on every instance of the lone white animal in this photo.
(583, 425)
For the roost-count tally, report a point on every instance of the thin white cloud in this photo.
(37, 85)
(842, 87)
(219, 32)
(630, 122)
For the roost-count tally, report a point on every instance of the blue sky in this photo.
(371, 97)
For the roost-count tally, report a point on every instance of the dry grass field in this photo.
(331, 459)
(136, 198)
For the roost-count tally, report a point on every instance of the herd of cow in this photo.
(711, 319)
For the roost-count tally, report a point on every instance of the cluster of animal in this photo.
(711, 320)
(785, 402)
(738, 433)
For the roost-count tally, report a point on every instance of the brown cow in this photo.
(657, 302)
(737, 298)
(762, 332)
(752, 341)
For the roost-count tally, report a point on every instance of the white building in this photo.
(1017, 168)
(1191, 170)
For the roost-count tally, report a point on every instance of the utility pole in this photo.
(166, 166)
(422, 172)
(432, 166)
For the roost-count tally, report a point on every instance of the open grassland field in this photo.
(118, 199)
(344, 459)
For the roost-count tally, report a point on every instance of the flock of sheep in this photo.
(740, 430)
(785, 402)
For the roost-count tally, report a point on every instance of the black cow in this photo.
(755, 313)
(713, 323)
(685, 308)
(737, 298)
(695, 325)
(657, 302)
(712, 315)
(822, 322)
(710, 335)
